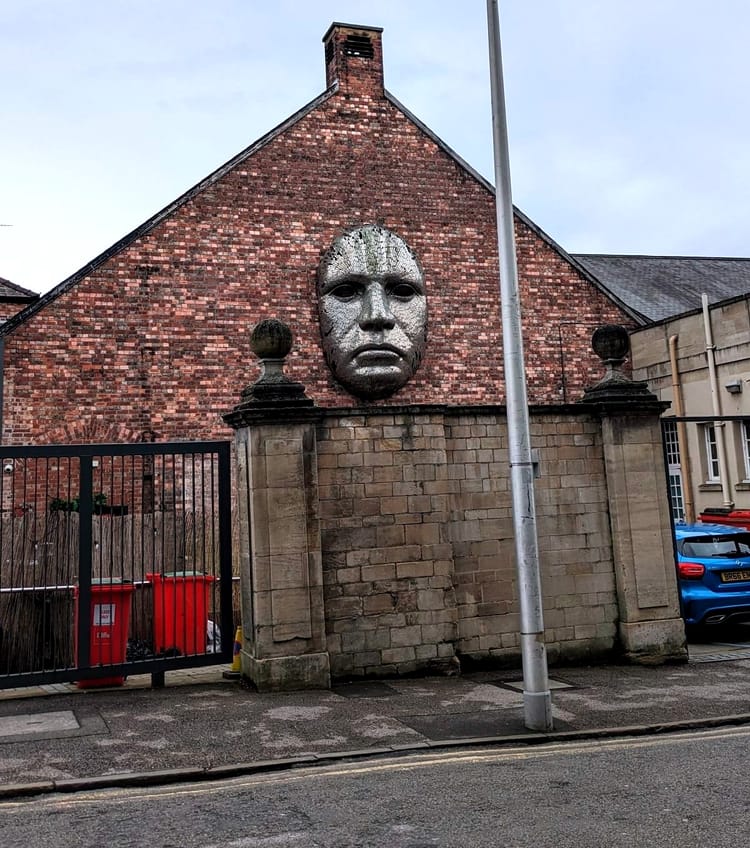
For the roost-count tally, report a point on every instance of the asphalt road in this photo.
(674, 790)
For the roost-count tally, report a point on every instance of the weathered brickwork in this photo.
(13, 299)
(8, 309)
(417, 539)
(152, 342)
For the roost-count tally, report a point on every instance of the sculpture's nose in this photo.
(375, 313)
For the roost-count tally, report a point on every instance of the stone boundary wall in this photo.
(417, 538)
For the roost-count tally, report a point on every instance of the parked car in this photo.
(713, 573)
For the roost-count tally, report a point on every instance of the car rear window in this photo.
(738, 544)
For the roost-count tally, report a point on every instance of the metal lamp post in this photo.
(537, 700)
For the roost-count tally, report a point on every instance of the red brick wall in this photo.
(9, 308)
(155, 340)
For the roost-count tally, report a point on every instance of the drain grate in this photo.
(720, 656)
(517, 685)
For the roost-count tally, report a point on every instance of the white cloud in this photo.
(627, 120)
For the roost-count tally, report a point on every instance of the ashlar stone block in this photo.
(284, 641)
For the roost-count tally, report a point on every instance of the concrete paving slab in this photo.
(18, 726)
(29, 724)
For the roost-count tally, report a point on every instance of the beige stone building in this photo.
(700, 362)
(697, 359)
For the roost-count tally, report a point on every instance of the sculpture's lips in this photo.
(376, 349)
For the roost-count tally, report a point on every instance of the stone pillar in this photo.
(650, 627)
(283, 628)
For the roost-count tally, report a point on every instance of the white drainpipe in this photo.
(716, 398)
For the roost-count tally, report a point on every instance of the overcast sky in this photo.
(628, 119)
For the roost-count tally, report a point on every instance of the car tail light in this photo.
(690, 570)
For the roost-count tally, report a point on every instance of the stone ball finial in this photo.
(271, 339)
(616, 390)
(273, 394)
(611, 343)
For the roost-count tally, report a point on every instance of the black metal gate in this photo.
(114, 560)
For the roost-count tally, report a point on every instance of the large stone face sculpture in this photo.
(373, 311)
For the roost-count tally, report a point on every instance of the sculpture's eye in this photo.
(402, 290)
(346, 291)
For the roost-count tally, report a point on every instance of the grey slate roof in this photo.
(10, 291)
(660, 287)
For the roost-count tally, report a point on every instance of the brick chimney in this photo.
(354, 58)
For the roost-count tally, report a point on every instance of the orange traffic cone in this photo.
(235, 669)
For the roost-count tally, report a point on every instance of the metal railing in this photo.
(114, 560)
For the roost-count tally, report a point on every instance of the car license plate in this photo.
(735, 576)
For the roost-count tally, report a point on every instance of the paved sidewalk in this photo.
(60, 738)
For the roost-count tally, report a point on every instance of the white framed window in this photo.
(671, 442)
(712, 454)
(745, 440)
(674, 472)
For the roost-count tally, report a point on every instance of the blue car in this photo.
(713, 573)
